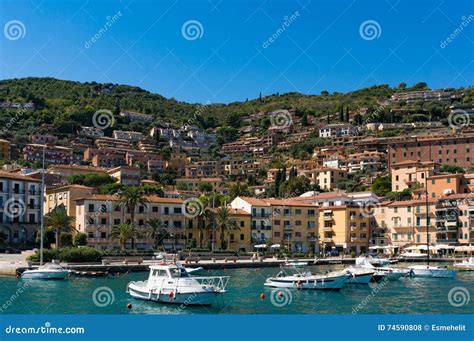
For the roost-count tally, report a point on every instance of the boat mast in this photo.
(42, 210)
(427, 221)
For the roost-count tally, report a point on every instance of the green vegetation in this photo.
(382, 185)
(70, 255)
(92, 179)
(59, 221)
(452, 169)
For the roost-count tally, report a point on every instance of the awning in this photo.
(376, 247)
(464, 248)
(417, 247)
(444, 247)
(260, 246)
(275, 246)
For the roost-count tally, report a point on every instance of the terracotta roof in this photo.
(458, 196)
(441, 176)
(413, 202)
(275, 202)
(328, 195)
(15, 176)
(68, 186)
(88, 168)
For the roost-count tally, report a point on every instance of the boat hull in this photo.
(433, 272)
(334, 283)
(204, 298)
(46, 275)
(360, 278)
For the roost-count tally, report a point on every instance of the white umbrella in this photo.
(464, 248)
(275, 246)
(375, 247)
(260, 246)
(444, 247)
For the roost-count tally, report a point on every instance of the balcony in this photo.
(327, 217)
(327, 240)
(260, 215)
(444, 229)
(327, 228)
(312, 239)
(357, 239)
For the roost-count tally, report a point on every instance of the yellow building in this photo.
(410, 174)
(66, 196)
(326, 178)
(236, 240)
(4, 149)
(345, 228)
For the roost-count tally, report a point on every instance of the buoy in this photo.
(262, 296)
(171, 294)
(280, 294)
(129, 306)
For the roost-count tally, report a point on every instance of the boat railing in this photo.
(219, 282)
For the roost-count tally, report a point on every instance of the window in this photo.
(103, 235)
(154, 209)
(311, 212)
(448, 180)
(167, 210)
(276, 234)
(116, 221)
(177, 223)
(298, 211)
(103, 221)
(91, 207)
(177, 210)
(276, 222)
(298, 222)
(297, 234)
(242, 236)
(242, 223)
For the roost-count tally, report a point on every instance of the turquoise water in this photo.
(75, 296)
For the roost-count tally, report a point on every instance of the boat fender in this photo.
(280, 294)
(129, 306)
(171, 294)
(262, 296)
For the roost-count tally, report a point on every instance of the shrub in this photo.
(79, 255)
(48, 255)
(66, 239)
(80, 239)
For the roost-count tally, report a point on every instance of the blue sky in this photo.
(231, 57)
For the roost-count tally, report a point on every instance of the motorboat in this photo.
(413, 255)
(306, 280)
(49, 271)
(171, 283)
(290, 262)
(194, 270)
(359, 275)
(432, 271)
(383, 272)
(375, 261)
(465, 265)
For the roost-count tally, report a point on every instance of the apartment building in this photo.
(455, 219)
(126, 175)
(238, 239)
(113, 143)
(91, 132)
(254, 145)
(133, 136)
(53, 154)
(65, 196)
(187, 184)
(325, 178)
(337, 130)
(291, 224)
(20, 207)
(411, 174)
(4, 149)
(443, 149)
(66, 171)
(43, 139)
(426, 96)
(97, 214)
(203, 169)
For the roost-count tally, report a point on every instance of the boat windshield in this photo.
(178, 272)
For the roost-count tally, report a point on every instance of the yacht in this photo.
(432, 271)
(383, 272)
(359, 275)
(171, 283)
(465, 265)
(292, 262)
(306, 280)
(47, 271)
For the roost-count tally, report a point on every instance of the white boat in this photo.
(291, 262)
(378, 261)
(194, 270)
(413, 255)
(169, 283)
(432, 271)
(307, 281)
(46, 271)
(359, 275)
(384, 272)
(465, 265)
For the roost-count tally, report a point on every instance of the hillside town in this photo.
(364, 185)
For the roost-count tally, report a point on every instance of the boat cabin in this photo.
(166, 271)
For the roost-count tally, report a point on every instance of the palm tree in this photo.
(130, 199)
(59, 221)
(122, 233)
(224, 223)
(157, 231)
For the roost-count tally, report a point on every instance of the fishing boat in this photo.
(427, 270)
(171, 283)
(465, 265)
(51, 271)
(359, 275)
(297, 279)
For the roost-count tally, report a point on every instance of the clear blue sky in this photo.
(321, 49)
